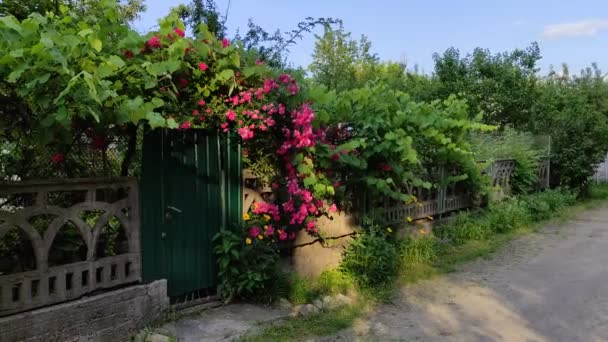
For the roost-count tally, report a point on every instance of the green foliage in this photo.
(418, 249)
(575, 111)
(246, 271)
(372, 259)
(21, 9)
(340, 63)
(509, 143)
(384, 139)
(505, 217)
(73, 77)
(543, 205)
(329, 283)
(464, 228)
(501, 86)
(323, 324)
(599, 191)
(203, 12)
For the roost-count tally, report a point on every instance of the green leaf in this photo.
(156, 120)
(16, 53)
(150, 82)
(236, 60)
(46, 40)
(320, 189)
(11, 22)
(95, 43)
(249, 71)
(310, 180)
(171, 123)
(85, 32)
(226, 74)
(116, 61)
(14, 76)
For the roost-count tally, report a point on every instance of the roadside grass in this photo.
(325, 323)
(427, 256)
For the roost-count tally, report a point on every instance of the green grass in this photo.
(323, 324)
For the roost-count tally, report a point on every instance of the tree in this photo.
(21, 9)
(273, 48)
(341, 63)
(203, 12)
(574, 110)
(501, 86)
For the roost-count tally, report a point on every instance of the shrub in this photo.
(507, 216)
(511, 144)
(246, 271)
(418, 249)
(465, 227)
(543, 204)
(371, 259)
(599, 191)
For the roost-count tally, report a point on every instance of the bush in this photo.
(463, 228)
(511, 144)
(507, 216)
(542, 205)
(371, 259)
(599, 191)
(418, 249)
(247, 271)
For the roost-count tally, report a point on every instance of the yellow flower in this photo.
(266, 218)
(260, 237)
(389, 230)
(422, 231)
(430, 218)
(409, 219)
(265, 227)
(246, 217)
(248, 241)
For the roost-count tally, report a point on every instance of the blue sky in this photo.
(569, 31)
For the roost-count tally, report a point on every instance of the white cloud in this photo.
(588, 27)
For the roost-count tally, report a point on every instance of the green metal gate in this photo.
(191, 186)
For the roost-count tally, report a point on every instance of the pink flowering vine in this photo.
(179, 32)
(153, 42)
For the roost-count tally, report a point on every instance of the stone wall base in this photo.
(112, 316)
(311, 256)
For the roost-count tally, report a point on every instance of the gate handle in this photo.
(174, 209)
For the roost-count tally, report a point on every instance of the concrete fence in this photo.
(39, 211)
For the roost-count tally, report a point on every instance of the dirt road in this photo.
(550, 286)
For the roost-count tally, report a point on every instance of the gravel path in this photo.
(550, 286)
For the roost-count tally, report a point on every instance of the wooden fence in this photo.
(41, 211)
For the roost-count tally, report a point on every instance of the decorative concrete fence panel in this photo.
(41, 210)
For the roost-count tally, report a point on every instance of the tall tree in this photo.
(203, 12)
(21, 9)
(339, 62)
(502, 85)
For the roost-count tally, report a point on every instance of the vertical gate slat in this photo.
(199, 173)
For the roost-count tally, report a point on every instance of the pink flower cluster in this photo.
(292, 85)
(302, 135)
(262, 208)
(153, 42)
